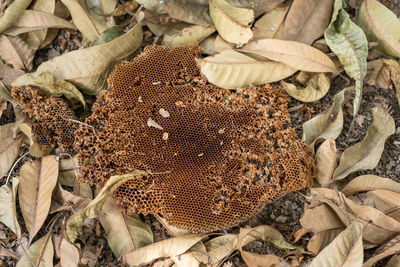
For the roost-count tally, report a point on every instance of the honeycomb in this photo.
(54, 121)
(215, 157)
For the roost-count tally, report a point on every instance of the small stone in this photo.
(164, 113)
(165, 136)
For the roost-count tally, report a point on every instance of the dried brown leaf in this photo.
(69, 254)
(188, 11)
(316, 88)
(41, 253)
(326, 161)
(8, 207)
(12, 13)
(307, 20)
(370, 182)
(16, 52)
(366, 154)
(37, 182)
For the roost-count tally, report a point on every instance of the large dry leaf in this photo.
(208, 45)
(259, 6)
(189, 35)
(12, 13)
(326, 161)
(329, 124)
(88, 68)
(221, 45)
(193, 257)
(165, 248)
(316, 88)
(294, 54)
(321, 239)
(269, 25)
(328, 219)
(188, 11)
(32, 20)
(345, 250)
(8, 207)
(36, 38)
(380, 25)
(124, 233)
(349, 43)
(37, 182)
(231, 69)
(390, 248)
(232, 23)
(378, 226)
(69, 254)
(370, 182)
(9, 147)
(95, 206)
(41, 253)
(81, 19)
(220, 247)
(16, 52)
(386, 201)
(52, 86)
(366, 154)
(307, 20)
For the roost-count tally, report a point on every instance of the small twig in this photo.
(15, 164)
(80, 122)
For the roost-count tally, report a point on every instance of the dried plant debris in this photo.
(215, 160)
(55, 122)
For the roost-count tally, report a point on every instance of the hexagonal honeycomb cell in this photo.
(215, 157)
(54, 121)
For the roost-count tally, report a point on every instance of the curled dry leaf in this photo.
(380, 25)
(124, 233)
(326, 161)
(64, 200)
(327, 125)
(16, 52)
(188, 35)
(51, 86)
(307, 20)
(88, 68)
(174, 231)
(366, 154)
(12, 13)
(258, 260)
(231, 69)
(32, 20)
(378, 226)
(208, 45)
(220, 247)
(370, 182)
(270, 25)
(36, 38)
(36, 186)
(316, 88)
(82, 20)
(294, 54)
(322, 239)
(195, 255)
(193, 12)
(8, 207)
(349, 43)
(94, 208)
(328, 219)
(385, 201)
(345, 250)
(392, 247)
(41, 253)
(9, 146)
(266, 233)
(4, 92)
(69, 254)
(165, 248)
(232, 23)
